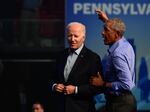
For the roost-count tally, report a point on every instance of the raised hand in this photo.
(102, 15)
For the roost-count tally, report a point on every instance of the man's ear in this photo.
(118, 34)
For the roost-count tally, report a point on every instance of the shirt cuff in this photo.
(53, 86)
(76, 90)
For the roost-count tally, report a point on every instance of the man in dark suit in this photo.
(75, 66)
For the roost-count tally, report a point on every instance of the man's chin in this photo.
(73, 47)
(105, 42)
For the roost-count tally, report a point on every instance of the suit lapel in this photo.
(63, 62)
(77, 65)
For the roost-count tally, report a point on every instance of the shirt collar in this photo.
(115, 45)
(77, 51)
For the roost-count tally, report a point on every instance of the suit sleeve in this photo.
(87, 89)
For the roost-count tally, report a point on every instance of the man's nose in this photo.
(72, 38)
(102, 33)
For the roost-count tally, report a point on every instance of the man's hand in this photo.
(96, 80)
(59, 88)
(102, 15)
(70, 89)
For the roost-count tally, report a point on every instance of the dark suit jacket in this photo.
(87, 64)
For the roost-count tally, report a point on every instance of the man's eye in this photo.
(69, 35)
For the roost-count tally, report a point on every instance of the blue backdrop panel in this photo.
(136, 15)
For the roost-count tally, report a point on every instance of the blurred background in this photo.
(31, 35)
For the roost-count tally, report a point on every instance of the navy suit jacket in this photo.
(87, 64)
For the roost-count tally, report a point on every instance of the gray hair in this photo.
(118, 25)
(77, 23)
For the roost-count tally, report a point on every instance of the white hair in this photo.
(77, 23)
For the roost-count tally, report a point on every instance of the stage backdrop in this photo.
(136, 15)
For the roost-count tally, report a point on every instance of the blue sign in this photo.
(136, 15)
